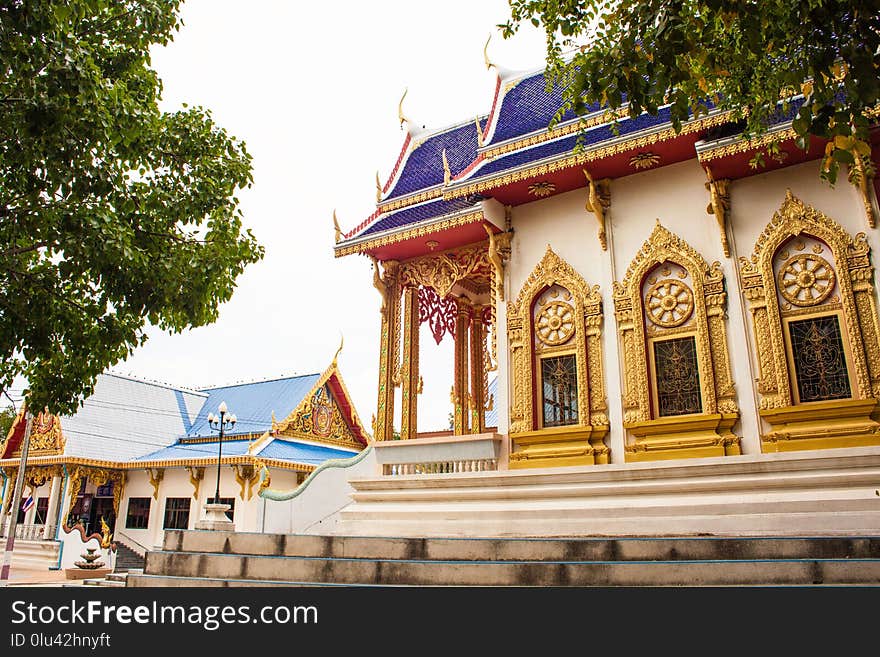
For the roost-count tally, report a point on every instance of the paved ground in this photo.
(43, 577)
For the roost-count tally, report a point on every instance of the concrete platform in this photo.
(194, 558)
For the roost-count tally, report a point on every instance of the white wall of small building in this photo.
(677, 196)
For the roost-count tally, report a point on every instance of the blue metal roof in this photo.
(424, 166)
(198, 451)
(288, 450)
(414, 214)
(253, 404)
(527, 108)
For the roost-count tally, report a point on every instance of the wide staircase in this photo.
(213, 558)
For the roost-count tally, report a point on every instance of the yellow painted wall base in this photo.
(682, 437)
(550, 448)
(821, 425)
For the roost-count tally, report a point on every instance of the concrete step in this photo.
(721, 572)
(523, 549)
(35, 554)
(785, 494)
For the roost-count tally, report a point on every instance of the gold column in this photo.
(460, 386)
(409, 387)
(478, 372)
(383, 426)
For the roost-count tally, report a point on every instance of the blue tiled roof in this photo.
(491, 417)
(253, 404)
(198, 451)
(591, 137)
(528, 107)
(424, 166)
(414, 214)
(289, 450)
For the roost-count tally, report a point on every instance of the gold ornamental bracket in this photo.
(719, 205)
(156, 476)
(196, 475)
(862, 176)
(599, 202)
(246, 476)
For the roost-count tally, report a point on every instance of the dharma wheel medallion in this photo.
(669, 303)
(806, 279)
(555, 323)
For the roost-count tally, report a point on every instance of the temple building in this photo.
(675, 333)
(143, 457)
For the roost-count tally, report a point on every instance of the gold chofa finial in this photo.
(447, 174)
(489, 64)
(400, 115)
(336, 355)
(336, 227)
(378, 187)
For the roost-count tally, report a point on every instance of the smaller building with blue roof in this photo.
(104, 464)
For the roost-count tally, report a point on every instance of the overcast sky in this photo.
(312, 89)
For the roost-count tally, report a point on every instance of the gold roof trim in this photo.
(744, 145)
(579, 159)
(416, 231)
(243, 459)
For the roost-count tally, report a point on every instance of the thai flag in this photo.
(27, 503)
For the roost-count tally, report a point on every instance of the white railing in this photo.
(30, 532)
(440, 467)
(440, 455)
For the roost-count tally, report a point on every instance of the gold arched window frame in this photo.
(708, 433)
(581, 443)
(790, 425)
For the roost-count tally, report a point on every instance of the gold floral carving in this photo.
(441, 271)
(587, 321)
(856, 290)
(706, 302)
(644, 160)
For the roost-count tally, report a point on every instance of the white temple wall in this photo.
(677, 196)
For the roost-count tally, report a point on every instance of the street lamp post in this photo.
(220, 422)
(215, 513)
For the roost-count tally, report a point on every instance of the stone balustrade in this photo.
(441, 455)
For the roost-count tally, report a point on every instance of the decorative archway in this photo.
(776, 283)
(556, 315)
(670, 309)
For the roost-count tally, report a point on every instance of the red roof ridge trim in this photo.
(403, 151)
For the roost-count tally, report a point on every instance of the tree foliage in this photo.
(7, 417)
(753, 57)
(113, 213)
